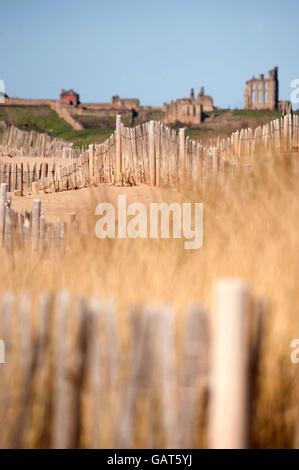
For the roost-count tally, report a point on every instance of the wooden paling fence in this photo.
(20, 143)
(74, 378)
(19, 177)
(155, 154)
(29, 230)
(73, 176)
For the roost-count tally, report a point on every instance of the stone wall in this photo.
(116, 103)
(24, 102)
(94, 106)
(124, 103)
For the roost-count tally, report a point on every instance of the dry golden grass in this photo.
(250, 231)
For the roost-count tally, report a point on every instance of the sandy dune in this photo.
(83, 201)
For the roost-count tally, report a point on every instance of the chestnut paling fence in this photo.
(49, 177)
(151, 153)
(72, 378)
(29, 230)
(18, 143)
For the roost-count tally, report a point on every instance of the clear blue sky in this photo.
(155, 50)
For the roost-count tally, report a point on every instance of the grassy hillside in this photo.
(44, 119)
(40, 118)
(224, 121)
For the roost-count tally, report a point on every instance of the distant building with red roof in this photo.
(69, 97)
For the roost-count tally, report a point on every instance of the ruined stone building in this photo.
(205, 100)
(69, 97)
(188, 110)
(124, 103)
(262, 93)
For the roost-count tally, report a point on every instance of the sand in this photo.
(84, 201)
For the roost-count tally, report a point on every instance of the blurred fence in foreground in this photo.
(80, 374)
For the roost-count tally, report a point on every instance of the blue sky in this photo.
(153, 50)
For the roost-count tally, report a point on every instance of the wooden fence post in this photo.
(21, 179)
(286, 133)
(166, 349)
(60, 429)
(181, 165)
(215, 156)
(35, 223)
(3, 192)
(8, 236)
(290, 132)
(118, 156)
(6, 315)
(35, 187)
(195, 368)
(9, 178)
(95, 369)
(152, 157)
(91, 164)
(229, 408)
(27, 369)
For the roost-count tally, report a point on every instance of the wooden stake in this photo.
(36, 223)
(118, 156)
(152, 157)
(3, 193)
(60, 430)
(91, 164)
(8, 231)
(215, 156)
(181, 165)
(229, 363)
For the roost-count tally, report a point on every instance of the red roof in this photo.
(68, 92)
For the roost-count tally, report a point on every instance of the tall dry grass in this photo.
(250, 231)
